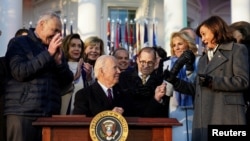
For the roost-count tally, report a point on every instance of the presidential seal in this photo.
(108, 126)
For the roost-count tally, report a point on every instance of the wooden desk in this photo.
(76, 128)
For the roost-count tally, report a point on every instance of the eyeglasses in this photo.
(149, 63)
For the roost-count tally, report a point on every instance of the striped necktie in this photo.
(144, 79)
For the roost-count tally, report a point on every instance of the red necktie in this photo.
(110, 96)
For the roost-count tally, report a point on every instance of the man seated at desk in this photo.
(96, 98)
(104, 93)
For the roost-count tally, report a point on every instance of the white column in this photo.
(240, 10)
(11, 21)
(89, 18)
(175, 17)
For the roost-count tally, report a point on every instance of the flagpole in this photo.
(130, 42)
(154, 28)
(126, 34)
(118, 34)
(154, 35)
(135, 46)
(145, 41)
(112, 36)
(108, 37)
(71, 27)
(64, 27)
(139, 38)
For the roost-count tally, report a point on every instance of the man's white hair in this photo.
(101, 63)
(48, 15)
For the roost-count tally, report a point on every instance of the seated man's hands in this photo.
(118, 110)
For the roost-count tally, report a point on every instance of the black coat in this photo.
(143, 95)
(34, 88)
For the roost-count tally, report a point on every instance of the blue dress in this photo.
(181, 105)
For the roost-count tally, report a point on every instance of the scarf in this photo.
(183, 100)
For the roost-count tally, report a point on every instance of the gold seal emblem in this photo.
(108, 126)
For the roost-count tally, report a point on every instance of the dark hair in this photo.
(120, 48)
(66, 41)
(219, 28)
(19, 32)
(244, 28)
(147, 49)
(161, 52)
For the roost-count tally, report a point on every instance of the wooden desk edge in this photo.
(81, 120)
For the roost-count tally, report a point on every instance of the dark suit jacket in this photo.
(142, 96)
(93, 100)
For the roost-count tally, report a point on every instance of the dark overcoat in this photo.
(223, 104)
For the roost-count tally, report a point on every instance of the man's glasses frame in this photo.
(149, 63)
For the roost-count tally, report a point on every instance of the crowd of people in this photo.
(53, 75)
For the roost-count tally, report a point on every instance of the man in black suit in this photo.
(145, 87)
(94, 99)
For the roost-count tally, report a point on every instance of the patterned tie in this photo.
(110, 96)
(144, 79)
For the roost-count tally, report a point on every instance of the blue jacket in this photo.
(34, 88)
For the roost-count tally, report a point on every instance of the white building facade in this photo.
(89, 17)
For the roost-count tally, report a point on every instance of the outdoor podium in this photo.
(76, 128)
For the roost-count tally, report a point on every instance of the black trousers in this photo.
(2, 120)
(19, 128)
